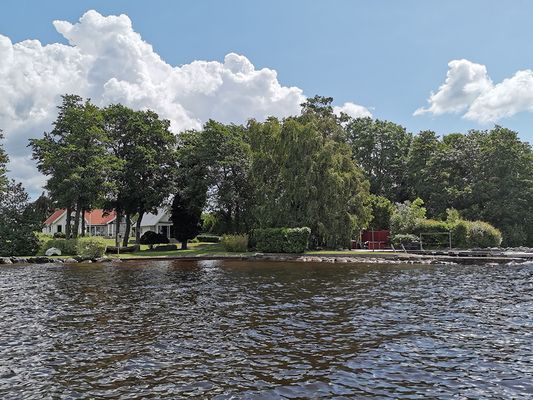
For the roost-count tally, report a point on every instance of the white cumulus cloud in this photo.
(469, 90)
(107, 61)
(353, 110)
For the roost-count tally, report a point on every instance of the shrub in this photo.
(66, 246)
(281, 240)
(92, 247)
(150, 238)
(406, 215)
(459, 232)
(235, 243)
(483, 234)
(208, 238)
(59, 235)
(405, 239)
(432, 226)
(166, 247)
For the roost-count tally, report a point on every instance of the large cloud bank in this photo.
(109, 62)
(468, 90)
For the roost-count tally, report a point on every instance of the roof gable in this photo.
(55, 216)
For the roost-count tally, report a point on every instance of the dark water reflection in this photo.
(273, 330)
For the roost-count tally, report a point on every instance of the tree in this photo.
(304, 175)
(219, 158)
(381, 149)
(382, 209)
(74, 157)
(3, 165)
(186, 218)
(145, 149)
(17, 237)
(406, 216)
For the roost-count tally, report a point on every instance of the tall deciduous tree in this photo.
(381, 149)
(146, 153)
(74, 157)
(3, 165)
(305, 176)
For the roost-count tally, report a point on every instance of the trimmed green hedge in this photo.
(208, 238)
(66, 246)
(281, 240)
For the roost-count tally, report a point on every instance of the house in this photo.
(160, 223)
(97, 223)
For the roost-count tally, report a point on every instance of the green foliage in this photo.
(17, 236)
(304, 175)
(405, 239)
(166, 247)
(483, 234)
(459, 230)
(150, 238)
(66, 246)
(208, 238)
(74, 155)
(186, 217)
(235, 243)
(281, 240)
(92, 247)
(382, 210)
(381, 148)
(3, 165)
(406, 216)
(209, 222)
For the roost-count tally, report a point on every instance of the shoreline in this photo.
(327, 258)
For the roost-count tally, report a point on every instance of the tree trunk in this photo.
(67, 226)
(76, 222)
(117, 228)
(138, 227)
(184, 244)
(82, 222)
(126, 240)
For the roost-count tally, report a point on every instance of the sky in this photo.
(448, 66)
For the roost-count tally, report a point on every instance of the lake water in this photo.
(232, 330)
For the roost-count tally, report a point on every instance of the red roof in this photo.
(99, 217)
(52, 218)
(94, 217)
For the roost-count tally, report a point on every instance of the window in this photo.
(59, 227)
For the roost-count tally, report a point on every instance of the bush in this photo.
(59, 235)
(406, 240)
(406, 216)
(66, 246)
(166, 247)
(208, 238)
(459, 232)
(235, 243)
(92, 247)
(281, 240)
(483, 234)
(150, 238)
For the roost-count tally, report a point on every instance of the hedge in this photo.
(281, 240)
(92, 247)
(208, 238)
(235, 243)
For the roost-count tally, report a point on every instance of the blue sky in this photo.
(386, 56)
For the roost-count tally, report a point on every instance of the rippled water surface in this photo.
(227, 330)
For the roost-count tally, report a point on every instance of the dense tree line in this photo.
(333, 174)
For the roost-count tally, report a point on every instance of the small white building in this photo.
(160, 223)
(97, 223)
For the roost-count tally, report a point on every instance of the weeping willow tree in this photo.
(303, 174)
